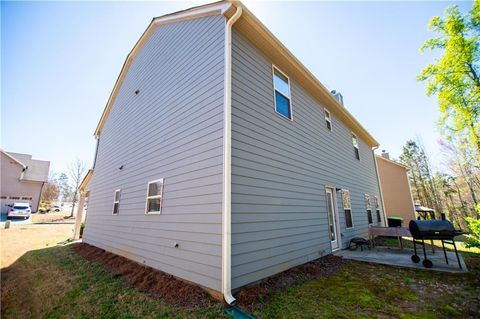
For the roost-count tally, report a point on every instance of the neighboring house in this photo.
(22, 179)
(222, 160)
(396, 192)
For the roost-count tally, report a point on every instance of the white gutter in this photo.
(227, 165)
(379, 186)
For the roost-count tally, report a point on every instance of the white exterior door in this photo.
(333, 222)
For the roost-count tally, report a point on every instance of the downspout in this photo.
(227, 165)
(379, 186)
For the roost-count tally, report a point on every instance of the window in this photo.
(355, 146)
(369, 209)
(281, 86)
(154, 197)
(14, 197)
(347, 207)
(328, 120)
(116, 202)
(26, 197)
(377, 208)
(3, 197)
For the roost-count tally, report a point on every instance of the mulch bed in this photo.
(151, 281)
(181, 293)
(257, 294)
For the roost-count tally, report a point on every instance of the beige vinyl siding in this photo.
(396, 191)
(280, 169)
(171, 129)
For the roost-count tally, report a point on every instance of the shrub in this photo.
(474, 228)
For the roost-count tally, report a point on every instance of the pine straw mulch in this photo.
(184, 294)
(155, 283)
(260, 293)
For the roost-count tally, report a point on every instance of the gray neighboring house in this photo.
(22, 179)
(222, 160)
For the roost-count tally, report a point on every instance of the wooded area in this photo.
(454, 79)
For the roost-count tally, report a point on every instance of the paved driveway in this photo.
(16, 221)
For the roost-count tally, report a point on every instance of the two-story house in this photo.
(222, 160)
(22, 179)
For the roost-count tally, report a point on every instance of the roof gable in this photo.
(249, 25)
(192, 13)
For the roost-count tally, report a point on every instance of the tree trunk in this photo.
(464, 208)
(73, 204)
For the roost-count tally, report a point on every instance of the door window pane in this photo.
(331, 223)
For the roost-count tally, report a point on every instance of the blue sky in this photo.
(60, 60)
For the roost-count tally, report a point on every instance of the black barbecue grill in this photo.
(422, 230)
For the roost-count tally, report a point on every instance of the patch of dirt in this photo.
(57, 217)
(257, 294)
(181, 293)
(151, 281)
(17, 240)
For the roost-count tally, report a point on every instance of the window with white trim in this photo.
(369, 209)
(116, 202)
(281, 88)
(355, 146)
(347, 208)
(154, 197)
(377, 208)
(328, 120)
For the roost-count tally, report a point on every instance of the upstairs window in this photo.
(328, 120)
(355, 146)
(281, 87)
(154, 197)
(377, 208)
(347, 208)
(116, 202)
(369, 209)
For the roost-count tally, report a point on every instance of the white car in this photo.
(20, 210)
(55, 208)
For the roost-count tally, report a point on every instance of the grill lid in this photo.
(431, 229)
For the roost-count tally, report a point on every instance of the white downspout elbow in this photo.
(227, 165)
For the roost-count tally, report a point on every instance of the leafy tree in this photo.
(455, 77)
(425, 189)
(66, 192)
(474, 228)
(49, 192)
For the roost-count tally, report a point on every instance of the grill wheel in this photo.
(427, 263)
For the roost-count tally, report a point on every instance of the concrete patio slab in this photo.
(402, 258)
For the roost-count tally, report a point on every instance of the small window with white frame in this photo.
(154, 197)
(369, 209)
(347, 208)
(356, 149)
(377, 209)
(281, 90)
(116, 202)
(328, 120)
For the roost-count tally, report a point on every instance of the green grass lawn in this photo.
(58, 283)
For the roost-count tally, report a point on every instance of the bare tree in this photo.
(76, 172)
